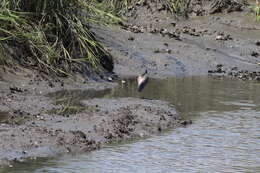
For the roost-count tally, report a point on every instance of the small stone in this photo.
(164, 31)
(219, 37)
(110, 79)
(255, 54)
(219, 65)
(36, 144)
(186, 122)
(131, 38)
(234, 68)
(51, 84)
(173, 24)
(168, 51)
(156, 51)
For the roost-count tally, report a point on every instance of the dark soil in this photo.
(29, 128)
(152, 39)
(155, 40)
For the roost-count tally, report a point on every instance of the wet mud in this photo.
(168, 46)
(45, 121)
(35, 122)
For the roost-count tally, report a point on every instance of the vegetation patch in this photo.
(67, 110)
(256, 10)
(52, 36)
(71, 108)
(122, 6)
(68, 106)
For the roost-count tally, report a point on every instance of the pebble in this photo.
(36, 144)
(219, 37)
(141, 135)
(131, 38)
(255, 54)
(110, 79)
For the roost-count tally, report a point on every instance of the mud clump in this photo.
(228, 6)
(235, 73)
(134, 118)
(33, 131)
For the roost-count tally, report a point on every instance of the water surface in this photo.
(225, 135)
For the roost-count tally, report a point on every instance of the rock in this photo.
(162, 51)
(223, 37)
(163, 31)
(131, 38)
(173, 24)
(186, 122)
(15, 89)
(219, 37)
(110, 79)
(255, 54)
(154, 30)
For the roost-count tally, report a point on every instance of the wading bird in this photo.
(142, 81)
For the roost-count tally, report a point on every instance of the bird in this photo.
(142, 81)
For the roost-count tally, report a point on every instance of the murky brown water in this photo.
(3, 116)
(225, 135)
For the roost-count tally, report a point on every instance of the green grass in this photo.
(256, 10)
(119, 7)
(53, 35)
(68, 106)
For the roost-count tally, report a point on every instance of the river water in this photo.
(224, 136)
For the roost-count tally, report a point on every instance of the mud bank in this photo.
(167, 46)
(29, 128)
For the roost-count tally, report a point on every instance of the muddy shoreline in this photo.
(166, 47)
(29, 128)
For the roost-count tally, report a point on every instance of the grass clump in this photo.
(256, 10)
(52, 35)
(176, 6)
(119, 7)
(68, 106)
